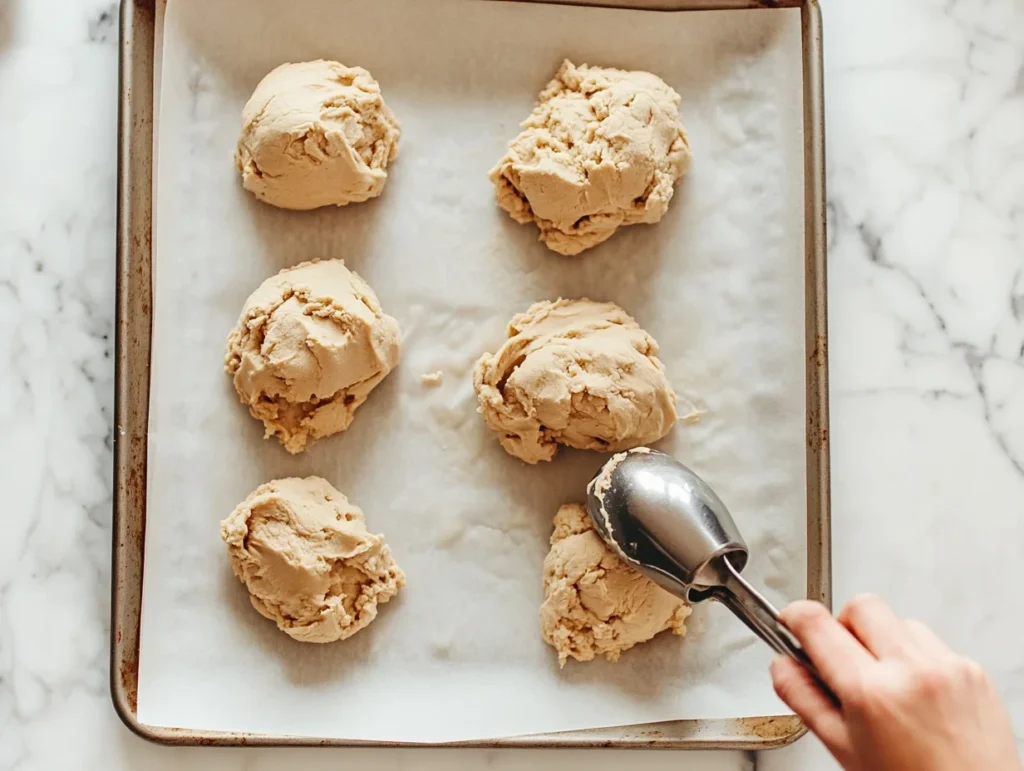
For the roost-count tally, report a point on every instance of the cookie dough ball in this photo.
(316, 133)
(309, 563)
(574, 372)
(602, 148)
(310, 345)
(594, 603)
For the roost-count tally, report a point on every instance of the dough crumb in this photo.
(432, 378)
(602, 148)
(310, 345)
(315, 134)
(309, 563)
(574, 372)
(594, 603)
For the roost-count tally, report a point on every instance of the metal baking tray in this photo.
(139, 47)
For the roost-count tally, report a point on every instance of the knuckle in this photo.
(862, 604)
(972, 670)
(930, 681)
(803, 615)
(871, 691)
(916, 625)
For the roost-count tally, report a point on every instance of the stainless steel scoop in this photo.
(671, 526)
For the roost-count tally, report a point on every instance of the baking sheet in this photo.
(719, 283)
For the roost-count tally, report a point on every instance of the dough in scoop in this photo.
(602, 148)
(574, 372)
(310, 345)
(316, 133)
(308, 561)
(595, 604)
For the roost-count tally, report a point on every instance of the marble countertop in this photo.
(925, 112)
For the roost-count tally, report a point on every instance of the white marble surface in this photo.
(926, 175)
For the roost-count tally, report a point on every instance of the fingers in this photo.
(796, 688)
(875, 625)
(837, 654)
(926, 642)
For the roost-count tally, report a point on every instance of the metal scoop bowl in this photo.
(667, 522)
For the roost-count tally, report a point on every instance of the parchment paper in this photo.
(719, 283)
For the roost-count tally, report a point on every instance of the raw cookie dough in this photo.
(595, 604)
(602, 148)
(310, 345)
(574, 372)
(309, 563)
(316, 133)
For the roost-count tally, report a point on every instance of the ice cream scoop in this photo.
(669, 524)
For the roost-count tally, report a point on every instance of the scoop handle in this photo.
(763, 619)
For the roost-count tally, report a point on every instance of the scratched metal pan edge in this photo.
(131, 405)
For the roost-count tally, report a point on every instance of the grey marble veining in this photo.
(925, 107)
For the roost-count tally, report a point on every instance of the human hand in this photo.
(909, 703)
